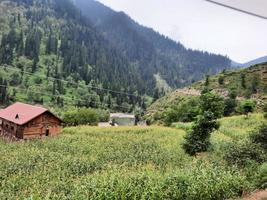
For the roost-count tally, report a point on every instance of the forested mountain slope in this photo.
(250, 83)
(151, 52)
(44, 42)
(51, 54)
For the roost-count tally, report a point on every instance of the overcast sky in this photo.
(200, 25)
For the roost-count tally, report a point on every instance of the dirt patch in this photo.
(259, 195)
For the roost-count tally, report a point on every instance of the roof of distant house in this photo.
(121, 115)
(20, 113)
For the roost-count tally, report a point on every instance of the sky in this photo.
(200, 25)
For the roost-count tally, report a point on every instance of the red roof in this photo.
(20, 113)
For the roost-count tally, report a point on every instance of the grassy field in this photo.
(122, 163)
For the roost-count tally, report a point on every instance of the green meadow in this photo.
(126, 163)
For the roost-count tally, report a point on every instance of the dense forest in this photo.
(151, 52)
(52, 54)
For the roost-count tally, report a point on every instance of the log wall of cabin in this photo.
(11, 129)
(38, 127)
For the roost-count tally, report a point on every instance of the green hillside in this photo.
(51, 55)
(249, 83)
(128, 163)
(54, 54)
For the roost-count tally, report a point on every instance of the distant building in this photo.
(122, 119)
(23, 121)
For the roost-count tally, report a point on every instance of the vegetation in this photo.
(234, 94)
(247, 107)
(134, 163)
(186, 111)
(137, 163)
(260, 137)
(198, 140)
(81, 116)
(153, 54)
(211, 108)
(265, 110)
(51, 54)
(210, 102)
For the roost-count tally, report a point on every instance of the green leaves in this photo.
(83, 116)
(198, 140)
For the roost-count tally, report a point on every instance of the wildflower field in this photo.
(125, 163)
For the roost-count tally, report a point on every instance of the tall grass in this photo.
(113, 163)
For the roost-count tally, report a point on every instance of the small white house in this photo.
(122, 119)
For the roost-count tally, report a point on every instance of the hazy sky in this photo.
(200, 25)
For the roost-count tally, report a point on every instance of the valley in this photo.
(103, 107)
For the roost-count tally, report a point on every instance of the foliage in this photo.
(152, 53)
(247, 107)
(261, 179)
(230, 103)
(213, 103)
(230, 106)
(103, 115)
(96, 59)
(198, 140)
(83, 116)
(243, 153)
(186, 111)
(265, 110)
(259, 136)
(103, 163)
(221, 80)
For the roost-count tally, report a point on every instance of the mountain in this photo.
(51, 55)
(250, 63)
(245, 83)
(152, 53)
(56, 54)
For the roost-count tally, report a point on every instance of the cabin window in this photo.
(12, 128)
(7, 126)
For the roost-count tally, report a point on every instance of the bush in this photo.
(260, 136)
(221, 80)
(198, 140)
(184, 112)
(212, 103)
(265, 110)
(103, 115)
(261, 178)
(230, 105)
(247, 107)
(83, 116)
(243, 153)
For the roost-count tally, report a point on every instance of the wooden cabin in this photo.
(23, 121)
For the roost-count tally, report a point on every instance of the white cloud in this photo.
(201, 25)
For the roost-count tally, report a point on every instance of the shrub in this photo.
(198, 140)
(212, 103)
(243, 153)
(103, 115)
(221, 80)
(184, 112)
(260, 136)
(261, 178)
(230, 105)
(247, 107)
(265, 110)
(83, 116)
